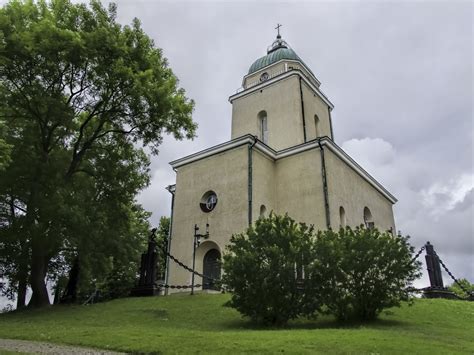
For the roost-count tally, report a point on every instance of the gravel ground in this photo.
(34, 347)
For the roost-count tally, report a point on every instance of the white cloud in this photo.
(441, 197)
(374, 151)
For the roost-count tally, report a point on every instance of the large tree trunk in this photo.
(23, 263)
(70, 294)
(23, 275)
(22, 286)
(39, 267)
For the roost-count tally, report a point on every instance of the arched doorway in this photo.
(211, 268)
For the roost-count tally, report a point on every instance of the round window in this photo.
(208, 201)
(264, 76)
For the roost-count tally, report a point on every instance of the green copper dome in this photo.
(273, 57)
(277, 51)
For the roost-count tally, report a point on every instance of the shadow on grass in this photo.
(321, 323)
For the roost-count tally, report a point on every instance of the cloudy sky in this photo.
(399, 74)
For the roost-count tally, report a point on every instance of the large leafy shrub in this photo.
(261, 268)
(279, 270)
(361, 271)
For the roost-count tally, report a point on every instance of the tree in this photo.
(5, 148)
(469, 287)
(161, 239)
(361, 271)
(79, 93)
(262, 267)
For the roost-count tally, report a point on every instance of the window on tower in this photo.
(262, 119)
(316, 126)
(342, 217)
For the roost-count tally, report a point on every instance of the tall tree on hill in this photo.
(78, 93)
(5, 149)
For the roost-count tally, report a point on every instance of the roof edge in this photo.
(275, 155)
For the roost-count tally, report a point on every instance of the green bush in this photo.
(469, 287)
(279, 270)
(361, 271)
(260, 269)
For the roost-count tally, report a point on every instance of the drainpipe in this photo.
(302, 111)
(250, 174)
(325, 185)
(330, 124)
(171, 189)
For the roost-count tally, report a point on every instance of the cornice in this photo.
(265, 68)
(277, 78)
(275, 155)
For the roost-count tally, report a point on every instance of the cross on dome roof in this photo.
(278, 29)
(277, 51)
(278, 43)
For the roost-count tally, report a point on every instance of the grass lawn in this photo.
(191, 324)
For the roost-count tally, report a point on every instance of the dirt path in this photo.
(36, 347)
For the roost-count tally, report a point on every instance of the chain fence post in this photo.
(433, 267)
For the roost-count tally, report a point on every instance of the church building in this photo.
(281, 157)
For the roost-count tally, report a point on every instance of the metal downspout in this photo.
(250, 175)
(302, 110)
(325, 185)
(168, 246)
(330, 124)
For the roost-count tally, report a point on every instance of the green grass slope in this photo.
(200, 323)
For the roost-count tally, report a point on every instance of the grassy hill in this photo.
(200, 323)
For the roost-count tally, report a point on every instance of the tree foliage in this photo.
(79, 95)
(161, 239)
(5, 149)
(279, 270)
(260, 268)
(469, 287)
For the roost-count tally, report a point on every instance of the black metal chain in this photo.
(418, 254)
(187, 267)
(452, 276)
(215, 282)
(178, 286)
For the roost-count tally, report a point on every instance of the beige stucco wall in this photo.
(314, 105)
(348, 189)
(299, 188)
(281, 101)
(227, 175)
(263, 184)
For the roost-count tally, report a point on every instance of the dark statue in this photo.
(436, 289)
(148, 270)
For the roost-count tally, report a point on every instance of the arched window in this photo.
(368, 219)
(316, 126)
(263, 211)
(342, 217)
(262, 121)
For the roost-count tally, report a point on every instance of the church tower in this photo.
(280, 101)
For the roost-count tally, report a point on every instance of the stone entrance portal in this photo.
(211, 268)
